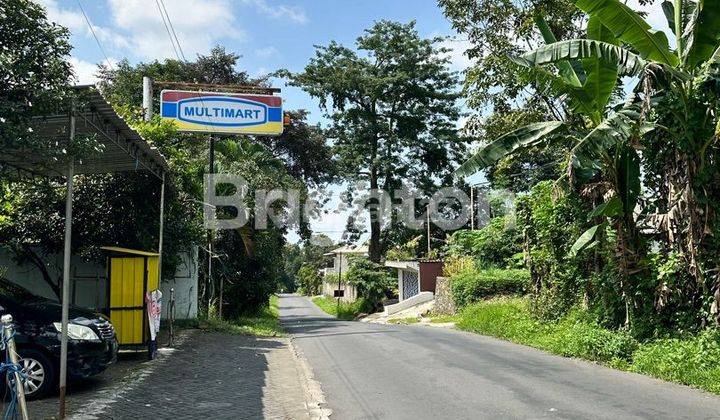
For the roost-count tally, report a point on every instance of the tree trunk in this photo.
(375, 251)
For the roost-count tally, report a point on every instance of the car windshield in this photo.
(10, 290)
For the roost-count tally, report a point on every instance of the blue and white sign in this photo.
(223, 113)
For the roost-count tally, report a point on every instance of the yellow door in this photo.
(127, 298)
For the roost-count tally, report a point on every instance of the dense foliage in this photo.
(473, 285)
(392, 103)
(627, 230)
(372, 281)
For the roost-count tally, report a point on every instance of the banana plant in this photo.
(620, 40)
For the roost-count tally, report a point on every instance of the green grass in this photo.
(265, 323)
(346, 311)
(409, 320)
(441, 319)
(693, 361)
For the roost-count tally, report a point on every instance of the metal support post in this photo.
(8, 331)
(66, 273)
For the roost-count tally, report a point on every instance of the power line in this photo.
(172, 28)
(162, 16)
(93, 34)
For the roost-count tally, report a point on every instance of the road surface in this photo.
(371, 371)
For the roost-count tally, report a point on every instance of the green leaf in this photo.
(523, 137)
(669, 11)
(631, 28)
(616, 129)
(585, 239)
(628, 171)
(702, 35)
(609, 209)
(602, 75)
(570, 72)
(628, 63)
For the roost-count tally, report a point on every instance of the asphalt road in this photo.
(371, 371)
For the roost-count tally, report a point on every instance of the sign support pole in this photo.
(210, 286)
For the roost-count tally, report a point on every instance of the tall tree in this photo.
(392, 102)
(35, 75)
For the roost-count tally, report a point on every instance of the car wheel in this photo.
(40, 373)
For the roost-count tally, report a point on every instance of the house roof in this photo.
(350, 249)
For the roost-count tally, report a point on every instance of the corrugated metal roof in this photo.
(123, 149)
(121, 250)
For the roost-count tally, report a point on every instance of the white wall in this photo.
(185, 284)
(89, 281)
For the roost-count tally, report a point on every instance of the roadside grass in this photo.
(409, 320)
(442, 319)
(693, 361)
(345, 311)
(265, 323)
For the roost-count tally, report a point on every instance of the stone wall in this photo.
(444, 302)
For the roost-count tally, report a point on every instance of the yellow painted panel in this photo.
(127, 277)
(152, 274)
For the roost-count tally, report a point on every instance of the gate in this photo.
(132, 274)
(411, 284)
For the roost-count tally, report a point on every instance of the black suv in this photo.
(92, 345)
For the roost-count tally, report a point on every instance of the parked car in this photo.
(92, 345)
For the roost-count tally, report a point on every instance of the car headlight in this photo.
(78, 332)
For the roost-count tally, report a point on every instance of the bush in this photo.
(343, 310)
(694, 361)
(309, 278)
(469, 285)
(372, 281)
(575, 335)
(493, 245)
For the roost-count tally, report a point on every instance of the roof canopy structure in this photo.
(121, 148)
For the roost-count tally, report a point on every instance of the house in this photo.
(416, 282)
(333, 284)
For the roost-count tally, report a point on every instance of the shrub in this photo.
(309, 279)
(373, 281)
(575, 335)
(493, 245)
(470, 286)
(693, 361)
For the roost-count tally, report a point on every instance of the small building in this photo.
(416, 276)
(416, 283)
(335, 286)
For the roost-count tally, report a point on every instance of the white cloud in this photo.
(267, 52)
(85, 72)
(279, 11)
(76, 23)
(459, 61)
(199, 25)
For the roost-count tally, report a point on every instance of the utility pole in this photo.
(427, 217)
(472, 208)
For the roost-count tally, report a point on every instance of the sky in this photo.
(268, 34)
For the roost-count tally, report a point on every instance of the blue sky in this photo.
(268, 34)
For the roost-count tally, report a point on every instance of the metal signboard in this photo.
(228, 113)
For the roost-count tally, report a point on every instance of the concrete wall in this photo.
(88, 281)
(329, 287)
(444, 301)
(185, 284)
(421, 297)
